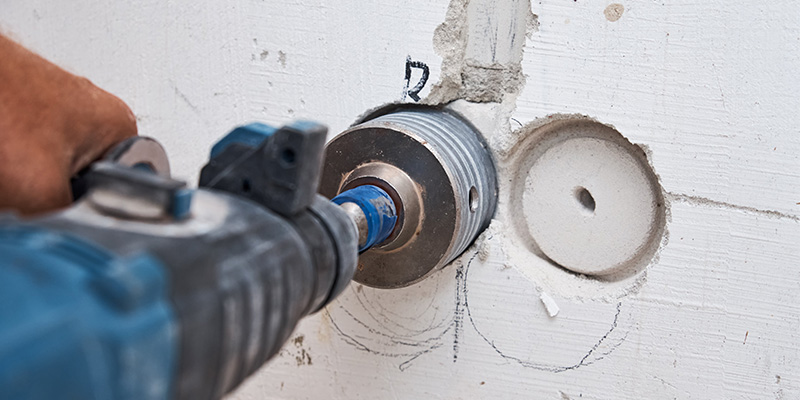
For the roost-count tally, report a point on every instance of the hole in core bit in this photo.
(288, 157)
(585, 199)
(473, 199)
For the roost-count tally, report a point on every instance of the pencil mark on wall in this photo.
(413, 92)
(591, 356)
(185, 99)
(425, 346)
(458, 320)
(373, 328)
(719, 86)
(491, 31)
(366, 325)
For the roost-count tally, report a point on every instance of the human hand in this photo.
(52, 125)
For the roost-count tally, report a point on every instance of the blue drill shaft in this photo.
(378, 208)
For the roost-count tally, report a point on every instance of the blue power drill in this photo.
(145, 289)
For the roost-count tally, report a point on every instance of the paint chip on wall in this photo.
(549, 304)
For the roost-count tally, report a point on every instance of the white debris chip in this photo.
(549, 304)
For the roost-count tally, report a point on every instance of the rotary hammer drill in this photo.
(145, 289)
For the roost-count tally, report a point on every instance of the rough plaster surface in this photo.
(481, 45)
(708, 88)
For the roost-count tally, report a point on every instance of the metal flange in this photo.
(141, 152)
(440, 175)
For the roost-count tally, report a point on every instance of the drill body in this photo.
(147, 290)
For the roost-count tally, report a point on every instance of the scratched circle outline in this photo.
(554, 368)
(410, 345)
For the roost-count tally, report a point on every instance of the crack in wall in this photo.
(704, 201)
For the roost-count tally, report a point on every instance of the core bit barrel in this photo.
(437, 171)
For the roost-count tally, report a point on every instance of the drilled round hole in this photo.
(585, 199)
(473, 199)
(288, 157)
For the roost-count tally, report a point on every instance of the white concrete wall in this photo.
(709, 87)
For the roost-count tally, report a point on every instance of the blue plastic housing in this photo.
(77, 322)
